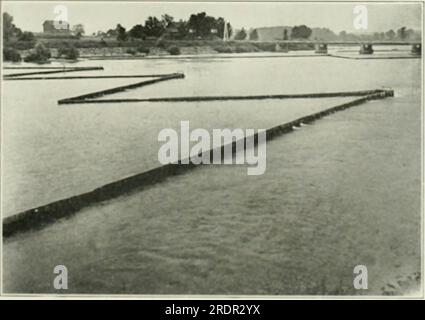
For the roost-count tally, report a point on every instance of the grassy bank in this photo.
(113, 48)
(134, 43)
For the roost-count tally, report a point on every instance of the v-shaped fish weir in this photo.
(38, 217)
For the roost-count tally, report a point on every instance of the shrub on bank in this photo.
(174, 51)
(27, 36)
(21, 45)
(161, 44)
(223, 49)
(265, 46)
(246, 48)
(143, 49)
(131, 51)
(10, 54)
(232, 47)
(68, 51)
(39, 54)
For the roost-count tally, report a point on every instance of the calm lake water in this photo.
(340, 192)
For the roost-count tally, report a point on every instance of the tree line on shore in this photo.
(199, 27)
(325, 34)
(39, 53)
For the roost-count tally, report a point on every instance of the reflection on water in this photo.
(341, 192)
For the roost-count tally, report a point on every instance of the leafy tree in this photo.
(138, 31)
(229, 30)
(8, 25)
(199, 25)
(203, 24)
(182, 29)
(390, 34)
(401, 33)
(27, 36)
(241, 35)
(285, 34)
(121, 34)
(343, 35)
(219, 25)
(378, 36)
(39, 54)
(68, 51)
(112, 33)
(41, 50)
(9, 29)
(153, 27)
(166, 20)
(301, 32)
(410, 34)
(253, 35)
(323, 34)
(10, 54)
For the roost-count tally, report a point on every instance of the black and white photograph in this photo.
(195, 149)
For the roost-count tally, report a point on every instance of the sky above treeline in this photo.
(105, 15)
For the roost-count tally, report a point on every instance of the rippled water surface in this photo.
(340, 192)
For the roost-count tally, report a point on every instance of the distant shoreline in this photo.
(203, 56)
(252, 55)
(176, 50)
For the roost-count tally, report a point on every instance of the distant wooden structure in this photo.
(52, 26)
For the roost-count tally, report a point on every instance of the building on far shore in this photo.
(50, 26)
